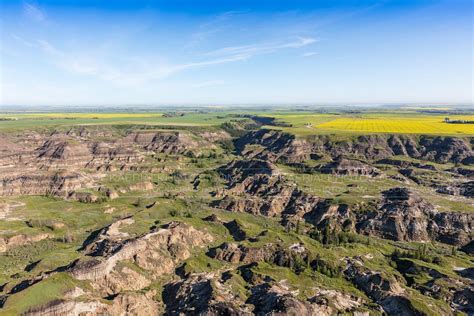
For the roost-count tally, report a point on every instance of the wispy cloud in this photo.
(48, 48)
(309, 54)
(69, 62)
(214, 25)
(263, 48)
(34, 12)
(140, 70)
(21, 40)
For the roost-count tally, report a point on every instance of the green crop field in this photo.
(303, 123)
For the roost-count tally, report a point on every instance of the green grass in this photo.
(190, 206)
(303, 123)
(28, 121)
(40, 293)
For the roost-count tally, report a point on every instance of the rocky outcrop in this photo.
(132, 304)
(463, 300)
(36, 164)
(468, 248)
(275, 300)
(347, 167)
(7, 243)
(385, 291)
(445, 149)
(206, 294)
(149, 257)
(258, 188)
(236, 230)
(454, 228)
(405, 164)
(402, 215)
(83, 197)
(157, 252)
(165, 142)
(463, 189)
(405, 216)
(105, 240)
(65, 307)
(60, 183)
(275, 145)
(201, 294)
(254, 187)
(238, 170)
(290, 257)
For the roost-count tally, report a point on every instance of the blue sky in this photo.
(234, 52)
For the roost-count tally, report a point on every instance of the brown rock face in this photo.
(264, 191)
(35, 164)
(273, 300)
(285, 257)
(347, 167)
(464, 189)
(132, 304)
(156, 252)
(201, 294)
(239, 170)
(403, 215)
(165, 142)
(281, 146)
(286, 148)
(42, 184)
(384, 291)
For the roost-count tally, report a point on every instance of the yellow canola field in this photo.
(419, 125)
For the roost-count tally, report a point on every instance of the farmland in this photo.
(301, 123)
(247, 206)
(408, 123)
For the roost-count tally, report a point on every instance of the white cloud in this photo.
(21, 40)
(138, 70)
(48, 48)
(265, 48)
(309, 54)
(216, 24)
(34, 12)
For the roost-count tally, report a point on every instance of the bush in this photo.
(327, 268)
(227, 145)
(421, 253)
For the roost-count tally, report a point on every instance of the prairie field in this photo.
(303, 123)
(409, 123)
(421, 125)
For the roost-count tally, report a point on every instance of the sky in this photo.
(63, 52)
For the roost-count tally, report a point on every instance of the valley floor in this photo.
(233, 214)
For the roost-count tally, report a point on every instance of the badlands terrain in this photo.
(220, 213)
